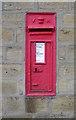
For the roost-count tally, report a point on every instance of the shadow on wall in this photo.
(30, 105)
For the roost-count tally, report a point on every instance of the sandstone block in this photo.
(14, 54)
(53, 5)
(8, 5)
(14, 105)
(7, 35)
(0, 105)
(63, 104)
(0, 53)
(66, 70)
(9, 87)
(66, 34)
(66, 87)
(62, 51)
(34, 105)
(13, 19)
(0, 87)
(71, 86)
(1, 36)
(18, 6)
(1, 70)
(69, 19)
(71, 50)
(26, 5)
(11, 70)
(20, 35)
(63, 86)
(20, 87)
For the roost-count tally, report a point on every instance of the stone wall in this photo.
(15, 104)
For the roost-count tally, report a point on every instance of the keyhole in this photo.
(35, 69)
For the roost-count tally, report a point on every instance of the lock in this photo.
(37, 69)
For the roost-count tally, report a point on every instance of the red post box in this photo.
(40, 54)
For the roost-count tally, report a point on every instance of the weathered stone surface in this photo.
(34, 105)
(66, 87)
(12, 19)
(1, 70)
(1, 36)
(41, 115)
(69, 19)
(20, 35)
(14, 105)
(0, 89)
(14, 54)
(11, 70)
(71, 87)
(62, 52)
(23, 116)
(53, 5)
(0, 105)
(9, 87)
(66, 34)
(71, 51)
(63, 104)
(8, 5)
(75, 87)
(62, 115)
(66, 70)
(72, 5)
(63, 86)
(7, 36)
(20, 87)
(18, 6)
(21, 6)
(0, 53)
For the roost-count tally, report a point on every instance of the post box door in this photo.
(40, 54)
(41, 66)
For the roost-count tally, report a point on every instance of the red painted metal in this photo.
(40, 70)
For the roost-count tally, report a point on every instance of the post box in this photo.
(40, 54)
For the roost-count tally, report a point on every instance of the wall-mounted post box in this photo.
(40, 54)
